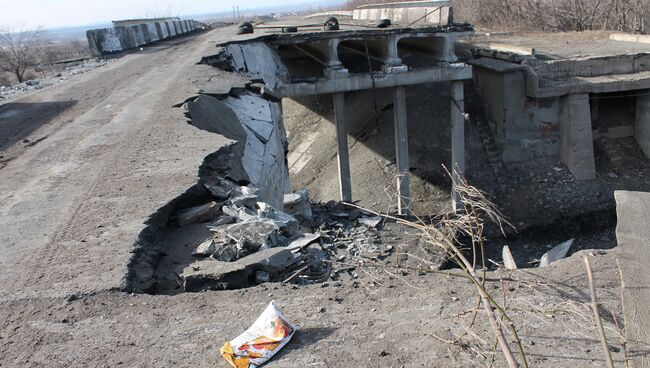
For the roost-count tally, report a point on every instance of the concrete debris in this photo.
(210, 274)
(262, 277)
(303, 240)
(244, 201)
(201, 213)
(240, 213)
(228, 253)
(298, 205)
(556, 253)
(224, 220)
(219, 187)
(254, 234)
(508, 259)
(370, 221)
(205, 249)
(286, 223)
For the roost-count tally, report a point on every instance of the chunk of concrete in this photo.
(556, 253)
(285, 222)
(218, 186)
(254, 233)
(205, 249)
(227, 252)
(210, 274)
(201, 213)
(240, 213)
(370, 221)
(224, 220)
(213, 115)
(297, 204)
(303, 240)
(508, 259)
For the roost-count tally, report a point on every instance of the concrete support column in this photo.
(345, 183)
(393, 63)
(334, 68)
(333, 61)
(401, 150)
(642, 124)
(457, 140)
(576, 140)
(392, 56)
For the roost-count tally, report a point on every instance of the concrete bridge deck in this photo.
(633, 235)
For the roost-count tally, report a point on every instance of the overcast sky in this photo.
(55, 13)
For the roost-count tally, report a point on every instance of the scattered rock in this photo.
(285, 222)
(205, 249)
(370, 221)
(303, 240)
(225, 220)
(33, 82)
(228, 253)
(240, 213)
(254, 234)
(558, 252)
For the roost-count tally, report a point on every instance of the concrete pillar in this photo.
(392, 56)
(345, 182)
(576, 141)
(457, 140)
(334, 67)
(333, 61)
(642, 124)
(401, 150)
(392, 62)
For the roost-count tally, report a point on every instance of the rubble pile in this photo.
(251, 242)
(59, 73)
(350, 234)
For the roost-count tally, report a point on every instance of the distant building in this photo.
(131, 22)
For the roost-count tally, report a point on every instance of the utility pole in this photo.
(234, 15)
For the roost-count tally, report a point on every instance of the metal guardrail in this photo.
(408, 4)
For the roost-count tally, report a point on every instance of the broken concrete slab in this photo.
(201, 213)
(508, 260)
(261, 129)
(216, 275)
(556, 253)
(303, 240)
(213, 115)
(254, 233)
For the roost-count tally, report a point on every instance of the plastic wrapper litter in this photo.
(261, 341)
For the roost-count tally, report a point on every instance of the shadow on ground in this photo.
(19, 119)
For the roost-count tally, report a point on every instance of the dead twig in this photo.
(599, 322)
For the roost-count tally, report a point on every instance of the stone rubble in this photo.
(52, 79)
(252, 242)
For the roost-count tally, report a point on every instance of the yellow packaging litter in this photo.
(261, 341)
